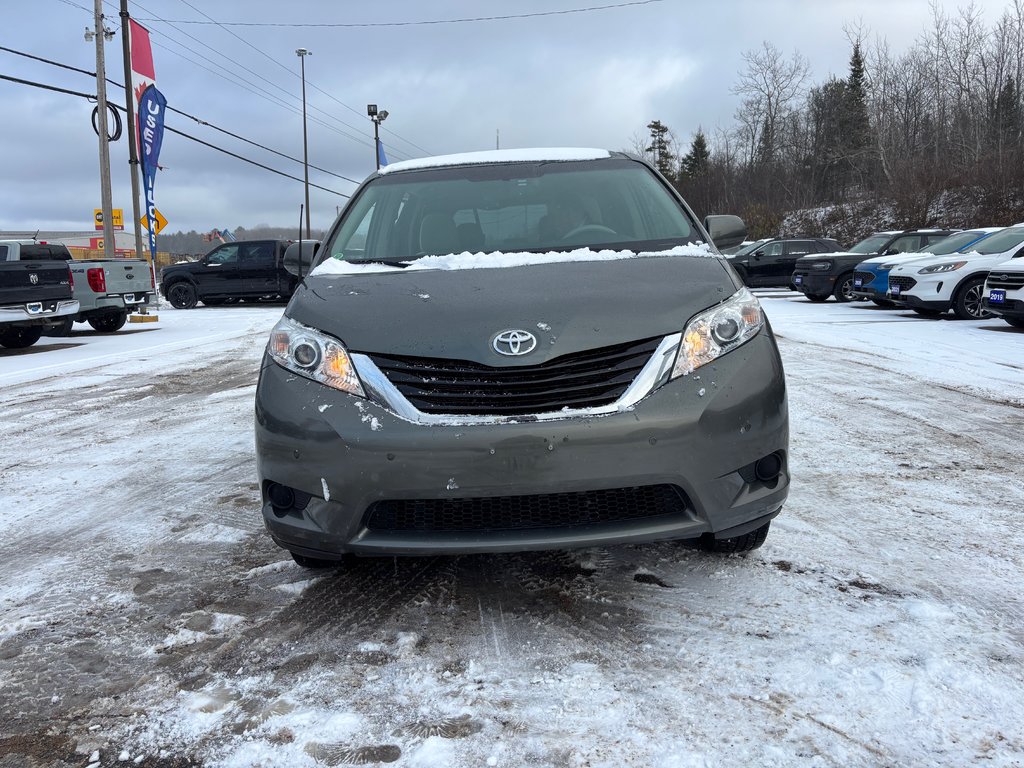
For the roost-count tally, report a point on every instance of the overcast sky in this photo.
(591, 79)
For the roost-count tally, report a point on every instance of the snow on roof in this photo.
(336, 266)
(561, 154)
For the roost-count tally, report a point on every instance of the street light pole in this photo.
(106, 203)
(302, 53)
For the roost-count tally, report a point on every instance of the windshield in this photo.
(954, 243)
(537, 207)
(1000, 242)
(872, 244)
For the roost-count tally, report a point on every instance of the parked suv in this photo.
(871, 278)
(771, 263)
(591, 372)
(819, 277)
(1004, 292)
(935, 285)
(246, 269)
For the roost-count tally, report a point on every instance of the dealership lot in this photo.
(145, 613)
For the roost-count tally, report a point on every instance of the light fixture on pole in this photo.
(302, 53)
(377, 118)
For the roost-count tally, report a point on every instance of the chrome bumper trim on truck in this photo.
(35, 311)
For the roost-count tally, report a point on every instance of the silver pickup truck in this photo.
(106, 290)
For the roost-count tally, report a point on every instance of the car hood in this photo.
(568, 306)
(973, 259)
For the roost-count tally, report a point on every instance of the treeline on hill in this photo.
(194, 243)
(930, 137)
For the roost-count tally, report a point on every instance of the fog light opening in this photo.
(282, 498)
(768, 467)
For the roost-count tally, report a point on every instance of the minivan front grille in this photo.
(545, 510)
(587, 379)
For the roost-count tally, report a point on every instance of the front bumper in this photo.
(699, 434)
(1010, 307)
(813, 282)
(38, 312)
(874, 288)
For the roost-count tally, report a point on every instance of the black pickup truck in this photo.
(247, 269)
(34, 294)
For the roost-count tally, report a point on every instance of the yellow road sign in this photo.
(159, 220)
(116, 218)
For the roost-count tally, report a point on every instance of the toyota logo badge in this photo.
(514, 343)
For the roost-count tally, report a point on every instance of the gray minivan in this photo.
(518, 350)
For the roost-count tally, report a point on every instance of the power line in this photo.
(292, 72)
(234, 78)
(92, 97)
(198, 120)
(467, 20)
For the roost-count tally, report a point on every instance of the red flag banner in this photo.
(143, 74)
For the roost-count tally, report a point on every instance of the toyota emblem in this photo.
(514, 343)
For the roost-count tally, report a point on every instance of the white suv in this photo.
(957, 281)
(1004, 291)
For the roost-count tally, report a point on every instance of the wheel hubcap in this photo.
(847, 289)
(973, 303)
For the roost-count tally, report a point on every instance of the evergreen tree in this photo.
(695, 162)
(660, 148)
(856, 113)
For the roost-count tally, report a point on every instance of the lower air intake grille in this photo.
(506, 513)
(904, 283)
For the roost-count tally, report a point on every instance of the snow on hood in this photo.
(535, 155)
(498, 260)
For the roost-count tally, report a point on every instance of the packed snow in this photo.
(146, 617)
(530, 155)
(467, 260)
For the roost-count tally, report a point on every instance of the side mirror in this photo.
(297, 262)
(725, 230)
(891, 252)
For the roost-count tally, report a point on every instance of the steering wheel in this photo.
(589, 229)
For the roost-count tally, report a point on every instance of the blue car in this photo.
(871, 278)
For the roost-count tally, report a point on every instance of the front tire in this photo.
(933, 313)
(1016, 322)
(19, 338)
(817, 298)
(745, 543)
(109, 323)
(843, 291)
(968, 304)
(182, 295)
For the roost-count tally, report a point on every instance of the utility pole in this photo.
(302, 53)
(133, 139)
(101, 122)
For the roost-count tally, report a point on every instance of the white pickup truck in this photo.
(106, 290)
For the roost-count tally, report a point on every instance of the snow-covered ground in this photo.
(146, 619)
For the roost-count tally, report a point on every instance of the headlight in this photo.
(317, 356)
(718, 330)
(887, 266)
(949, 266)
(821, 265)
